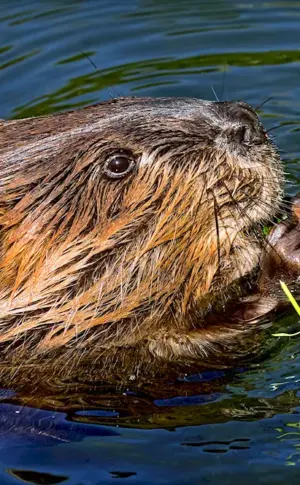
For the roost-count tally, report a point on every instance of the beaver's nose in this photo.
(240, 123)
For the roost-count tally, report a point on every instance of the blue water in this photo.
(240, 426)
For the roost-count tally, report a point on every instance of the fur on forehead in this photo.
(94, 118)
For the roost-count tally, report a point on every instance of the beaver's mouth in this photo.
(254, 232)
(252, 242)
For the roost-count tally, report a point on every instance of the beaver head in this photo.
(122, 222)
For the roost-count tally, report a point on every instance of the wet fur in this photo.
(92, 268)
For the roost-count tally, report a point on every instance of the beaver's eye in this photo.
(118, 166)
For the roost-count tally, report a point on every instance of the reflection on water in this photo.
(216, 426)
(37, 478)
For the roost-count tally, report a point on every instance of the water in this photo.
(215, 427)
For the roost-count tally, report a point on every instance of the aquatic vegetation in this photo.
(296, 307)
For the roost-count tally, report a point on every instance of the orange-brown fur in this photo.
(90, 266)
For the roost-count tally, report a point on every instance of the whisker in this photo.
(284, 204)
(273, 128)
(217, 230)
(117, 95)
(263, 103)
(90, 60)
(265, 243)
(265, 206)
(215, 94)
(238, 206)
(280, 126)
(238, 262)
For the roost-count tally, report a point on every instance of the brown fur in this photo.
(95, 267)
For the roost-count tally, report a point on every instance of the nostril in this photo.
(242, 134)
(245, 134)
(241, 124)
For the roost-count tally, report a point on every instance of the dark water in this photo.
(228, 428)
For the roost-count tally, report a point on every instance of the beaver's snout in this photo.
(240, 123)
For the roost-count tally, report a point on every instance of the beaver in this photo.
(131, 230)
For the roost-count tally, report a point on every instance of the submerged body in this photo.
(126, 227)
